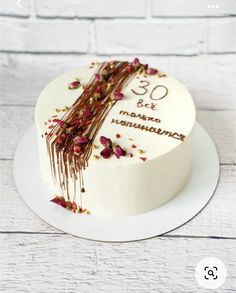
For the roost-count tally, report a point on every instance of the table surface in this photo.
(36, 257)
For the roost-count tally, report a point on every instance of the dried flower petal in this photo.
(151, 71)
(118, 151)
(98, 89)
(106, 142)
(74, 85)
(77, 149)
(145, 67)
(106, 153)
(118, 95)
(117, 135)
(143, 158)
(98, 77)
(60, 122)
(82, 140)
(136, 61)
(81, 210)
(87, 113)
(130, 68)
(56, 200)
(63, 204)
(59, 200)
(71, 206)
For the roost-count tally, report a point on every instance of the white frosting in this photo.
(128, 186)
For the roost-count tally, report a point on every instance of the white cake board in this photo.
(190, 201)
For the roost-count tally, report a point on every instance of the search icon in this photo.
(210, 273)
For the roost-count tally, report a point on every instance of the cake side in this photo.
(152, 123)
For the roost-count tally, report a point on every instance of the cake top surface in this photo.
(144, 112)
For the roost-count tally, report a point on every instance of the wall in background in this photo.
(193, 40)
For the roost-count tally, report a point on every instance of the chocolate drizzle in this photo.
(97, 99)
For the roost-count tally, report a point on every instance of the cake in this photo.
(114, 138)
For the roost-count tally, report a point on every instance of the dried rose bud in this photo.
(63, 204)
(77, 149)
(118, 151)
(98, 89)
(118, 95)
(106, 142)
(59, 200)
(130, 68)
(60, 122)
(98, 77)
(56, 200)
(87, 113)
(106, 153)
(136, 61)
(82, 140)
(73, 85)
(151, 71)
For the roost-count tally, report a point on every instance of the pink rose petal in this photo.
(130, 68)
(106, 142)
(136, 62)
(98, 77)
(74, 85)
(77, 149)
(82, 140)
(118, 151)
(151, 71)
(106, 153)
(98, 89)
(87, 113)
(59, 200)
(118, 95)
(60, 122)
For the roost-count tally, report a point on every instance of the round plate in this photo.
(197, 192)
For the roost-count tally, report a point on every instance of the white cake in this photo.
(115, 138)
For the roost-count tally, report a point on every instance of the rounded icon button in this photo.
(210, 272)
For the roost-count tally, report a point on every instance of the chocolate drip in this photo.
(98, 99)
